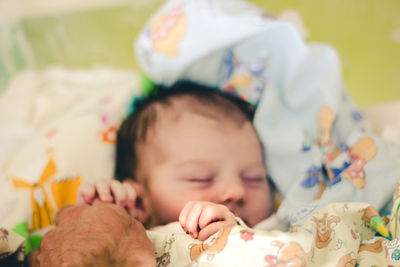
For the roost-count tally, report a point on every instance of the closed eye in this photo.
(199, 183)
(254, 180)
(199, 180)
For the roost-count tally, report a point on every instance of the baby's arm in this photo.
(202, 219)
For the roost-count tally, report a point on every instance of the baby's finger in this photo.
(213, 213)
(184, 215)
(119, 192)
(104, 191)
(211, 229)
(87, 193)
(192, 220)
(131, 194)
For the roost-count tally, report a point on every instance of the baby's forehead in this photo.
(218, 109)
(181, 102)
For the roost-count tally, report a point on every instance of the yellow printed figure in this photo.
(65, 192)
(326, 118)
(62, 193)
(356, 157)
(324, 230)
(167, 30)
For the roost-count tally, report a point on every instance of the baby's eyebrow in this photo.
(193, 162)
(254, 167)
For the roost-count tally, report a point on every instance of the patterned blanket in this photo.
(339, 235)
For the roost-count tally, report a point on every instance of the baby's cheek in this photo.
(259, 206)
(167, 210)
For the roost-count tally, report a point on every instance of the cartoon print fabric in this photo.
(319, 148)
(339, 235)
(182, 32)
(73, 141)
(63, 193)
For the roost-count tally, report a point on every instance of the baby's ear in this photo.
(142, 202)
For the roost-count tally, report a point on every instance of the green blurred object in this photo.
(147, 85)
(31, 241)
(13, 51)
(366, 34)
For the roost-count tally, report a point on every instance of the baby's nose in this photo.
(232, 193)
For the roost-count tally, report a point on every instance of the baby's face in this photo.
(195, 157)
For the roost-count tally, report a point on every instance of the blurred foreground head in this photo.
(98, 235)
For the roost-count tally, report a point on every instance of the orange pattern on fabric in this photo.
(167, 30)
(63, 193)
(42, 214)
(109, 135)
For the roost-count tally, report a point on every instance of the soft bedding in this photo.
(59, 128)
(319, 148)
(340, 235)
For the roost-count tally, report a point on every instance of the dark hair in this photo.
(135, 127)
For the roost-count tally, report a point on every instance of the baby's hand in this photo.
(202, 219)
(113, 191)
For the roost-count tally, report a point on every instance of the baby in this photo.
(188, 153)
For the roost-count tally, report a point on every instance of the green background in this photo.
(361, 31)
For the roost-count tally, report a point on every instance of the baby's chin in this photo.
(251, 222)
